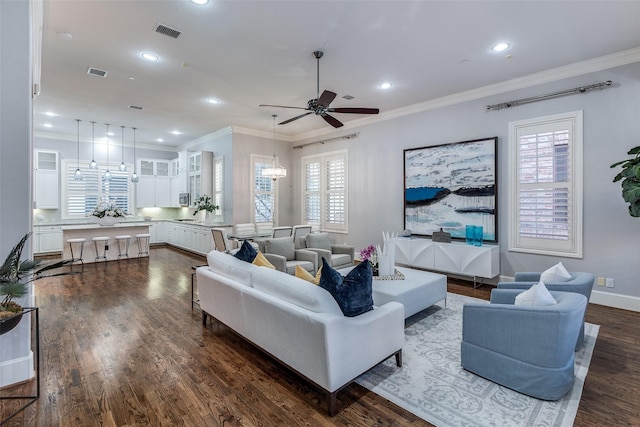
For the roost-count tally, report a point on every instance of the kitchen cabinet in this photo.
(46, 180)
(200, 174)
(154, 186)
(191, 237)
(47, 239)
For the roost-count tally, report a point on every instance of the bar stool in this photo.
(105, 245)
(79, 242)
(143, 243)
(126, 238)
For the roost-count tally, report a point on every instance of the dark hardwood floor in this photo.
(122, 347)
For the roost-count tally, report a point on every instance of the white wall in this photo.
(611, 128)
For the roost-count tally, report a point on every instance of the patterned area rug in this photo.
(432, 385)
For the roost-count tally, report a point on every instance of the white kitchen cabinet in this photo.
(47, 239)
(46, 180)
(154, 186)
(455, 257)
(200, 174)
(191, 237)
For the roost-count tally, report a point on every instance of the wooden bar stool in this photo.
(105, 245)
(79, 243)
(119, 239)
(143, 243)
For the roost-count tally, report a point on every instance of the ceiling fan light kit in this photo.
(320, 104)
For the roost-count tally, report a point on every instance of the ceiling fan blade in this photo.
(326, 98)
(295, 118)
(281, 106)
(355, 110)
(332, 121)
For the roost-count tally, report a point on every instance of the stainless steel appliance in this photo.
(185, 199)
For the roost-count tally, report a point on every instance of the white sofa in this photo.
(299, 323)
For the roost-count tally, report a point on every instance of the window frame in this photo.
(572, 246)
(325, 192)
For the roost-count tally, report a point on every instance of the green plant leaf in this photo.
(634, 150)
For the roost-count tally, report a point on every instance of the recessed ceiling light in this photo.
(50, 114)
(385, 85)
(48, 125)
(110, 133)
(200, 2)
(150, 56)
(175, 132)
(500, 47)
(213, 101)
(160, 140)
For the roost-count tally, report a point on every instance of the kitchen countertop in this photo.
(64, 223)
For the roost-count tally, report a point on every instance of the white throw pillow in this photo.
(537, 295)
(557, 273)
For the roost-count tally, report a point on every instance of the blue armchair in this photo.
(528, 349)
(581, 283)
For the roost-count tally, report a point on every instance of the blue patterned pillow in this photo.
(353, 293)
(246, 252)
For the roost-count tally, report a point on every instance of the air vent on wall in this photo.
(348, 97)
(168, 31)
(135, 107)
(97, 72)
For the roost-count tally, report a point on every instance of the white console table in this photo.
(455, 257)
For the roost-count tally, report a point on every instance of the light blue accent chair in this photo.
(527, 349)
(581, 283)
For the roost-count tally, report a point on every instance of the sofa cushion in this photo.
(294, 290)
(537, 295)
(303, 274)
(318, 240)
(281, 246)
(557, 273)
(246, 252)
(353, 292)
(261, 261)
(231, 267)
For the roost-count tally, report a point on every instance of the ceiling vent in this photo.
(348, 97)
(168, 31)
(97, 72)
(135, 107)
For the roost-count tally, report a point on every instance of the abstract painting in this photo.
(451, 186)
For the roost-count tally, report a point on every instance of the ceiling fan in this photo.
(320, 104)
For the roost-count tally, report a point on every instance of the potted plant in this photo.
(630, 176)
(15, 275)
(107, 213)
(204, 203)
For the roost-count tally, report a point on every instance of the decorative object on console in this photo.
(441, 236)
(387, 254)
(437, 197)
(107, 213)
(473, 235)
(369, 254)
(406, 233)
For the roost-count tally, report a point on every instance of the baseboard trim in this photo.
(624, 302)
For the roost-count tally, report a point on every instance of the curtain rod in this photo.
(343, 137)
(581, 89)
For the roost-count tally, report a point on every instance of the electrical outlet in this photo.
(601, 281)
(610, 282)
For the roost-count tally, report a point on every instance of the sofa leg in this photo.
(331, 402)
(399, 358)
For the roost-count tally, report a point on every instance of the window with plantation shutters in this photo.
(218, 186)
(83, 196)
(325, 191)
(263, 194)
(546, 185)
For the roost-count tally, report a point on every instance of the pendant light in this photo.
(123, 167)
(93, 164)
(275, 171)
(78, 174)
(134, 176)
(107, 174)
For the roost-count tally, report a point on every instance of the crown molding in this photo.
(73, 139)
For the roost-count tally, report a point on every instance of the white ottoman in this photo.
(419, 290)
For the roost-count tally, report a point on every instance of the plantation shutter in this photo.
(264, 193)
(312, 186)
(218, 190)
(325, 191)
(335, 170)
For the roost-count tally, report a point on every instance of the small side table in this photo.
(35, 326)
(193, 277)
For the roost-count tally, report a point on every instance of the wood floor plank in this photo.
(122, 347)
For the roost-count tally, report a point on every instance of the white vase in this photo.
(106, 220)
(208, 218)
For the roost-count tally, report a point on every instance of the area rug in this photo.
(432, 385)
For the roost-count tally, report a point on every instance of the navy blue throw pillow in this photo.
(353, 293)
(246, 253)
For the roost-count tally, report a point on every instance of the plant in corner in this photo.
(15, 275)
(204, 203)
(630, 176)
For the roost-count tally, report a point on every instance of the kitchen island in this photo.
(89, 231)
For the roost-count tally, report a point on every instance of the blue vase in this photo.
(478, 235)
(470, 234)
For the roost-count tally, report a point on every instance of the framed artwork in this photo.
(451, 186)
